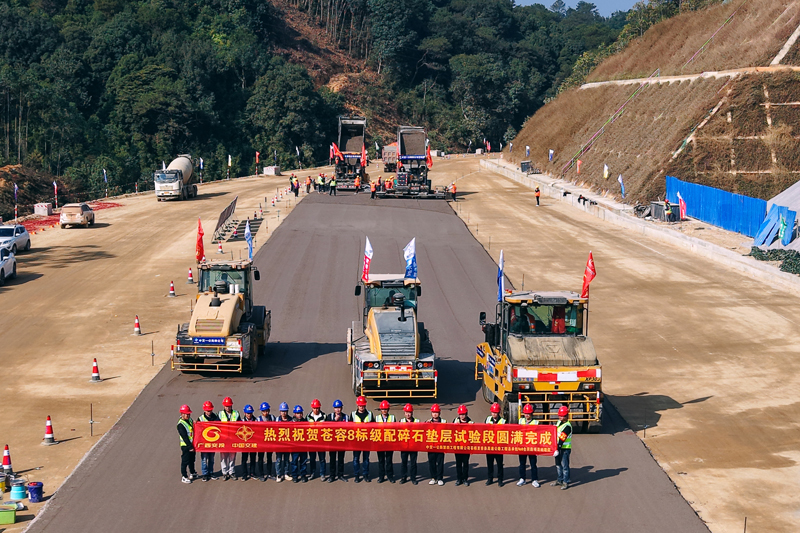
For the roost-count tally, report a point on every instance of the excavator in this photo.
(226, 332)
(388, 350)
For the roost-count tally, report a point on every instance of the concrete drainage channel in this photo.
(601, 208)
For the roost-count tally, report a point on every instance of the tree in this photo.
(559, 7)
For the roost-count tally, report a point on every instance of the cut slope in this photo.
(753, 37)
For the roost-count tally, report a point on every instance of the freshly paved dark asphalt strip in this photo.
(309, 268)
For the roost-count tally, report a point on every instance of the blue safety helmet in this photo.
(265, 406)
(283, 407)
(338, 403)
(248, 409)
(298, 409)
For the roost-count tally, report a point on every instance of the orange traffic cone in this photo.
(95, 372)
(49, 438)
(137, 329)
(273, 204)
(219, 248)
(7, 461)
(191, 278)
(171, 290)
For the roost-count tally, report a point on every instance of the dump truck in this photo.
(389, 157)
(226, 332)
(388, 350)
(412, 167)
(537, 351)
(352, 136)
(176, 181)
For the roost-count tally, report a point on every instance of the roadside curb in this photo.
(608, 210)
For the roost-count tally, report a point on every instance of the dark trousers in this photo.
(264, 470)
(299, 460)
(249, 464)
(454, 196)
(187, 461)
(385, 465)
(332, 191)
(337, 465)
(408, 464)
(372, 195)
(436, 464)
(364, 464)
(462, 466)
(562, 465)
(523, 463)
(537, 200)
(312, 463)
(308, 188)
(491, 459)
(296, 191)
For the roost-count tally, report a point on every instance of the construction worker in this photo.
(408, 460)
(527, 420)
(308, 184)
(248, 458)
(282, 458)
(320, 184)
(358, 183)
(186, 431)
(332, 185)
(492, 458)
(296, 186)
(436, 459)
(264, 473)
(537, 193)
(337, 458)
(462, 459)
(372, 188)
(227, 460)
(316, 415)
(453, 190)
(299, 459)
(564, 448)
(385, 459)
(380, 183)
(361, 416)
(207, 458)
(667, 210)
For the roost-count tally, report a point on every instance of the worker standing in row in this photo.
(282, 458)
(332, 185)
(207, 458)
(316, 415)
(492, 458)
(227, 460)
(372, 188)
(436, 459)
(527, 420)
(248, 458)
(264, 459)
(299, 459)
(357, 184)
(308, 184)
(337, 458)
(385, 459)
(361, 416)
(186, 432)
(408, 460)
(462, 459)
(564, 448)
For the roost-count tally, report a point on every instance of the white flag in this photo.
(410, 255)
(501, 279)
(367, 261)
(605, 171)
(296, 149)
(229, 160)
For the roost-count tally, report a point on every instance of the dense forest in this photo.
(123, 85)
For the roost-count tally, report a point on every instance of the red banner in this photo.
(338, 436)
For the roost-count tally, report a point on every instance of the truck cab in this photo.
(388, 349)
(537, 351)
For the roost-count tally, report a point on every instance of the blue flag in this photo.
(201, 163)
(621, 185)
(410, 255)
(501, 279)
(249, 238)
(105, 176)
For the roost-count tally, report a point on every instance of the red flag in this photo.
(336, 152)
(363, 156)
(199, 253)
(367, 261)
(588, 276)
(579, 165)
(428, 158)
(258, 154)
(682, 206)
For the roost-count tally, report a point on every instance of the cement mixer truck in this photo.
(175, 181)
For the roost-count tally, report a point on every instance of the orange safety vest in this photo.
(453, 188)
(372, 187)
(358, 182)
(538, 192)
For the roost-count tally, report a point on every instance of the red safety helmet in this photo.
(208, 406)
(385, 405)
(227, 402)
(361, 401)
(462, 409)
(527, 409)
(315, 404)
(408, 408)
(185, 410)
(495, 408)
(435, 408)
(563, 411)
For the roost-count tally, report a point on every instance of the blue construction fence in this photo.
(733, 212)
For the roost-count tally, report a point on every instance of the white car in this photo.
(8, 265)
(15, 238)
